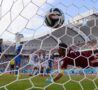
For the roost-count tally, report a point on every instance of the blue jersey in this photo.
(18, 49)
(18, 60)
(50, 63)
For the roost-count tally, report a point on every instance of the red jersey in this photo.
(79, 59)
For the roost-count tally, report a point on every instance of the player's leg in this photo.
(10, 69)
(16, 71)
(61, 67)
(42, 70)
(36, 70)
(59, 75)
(13, 69)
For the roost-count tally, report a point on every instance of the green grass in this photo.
(2, 89)
(6, 79)
(36, 89)
(72, 86)
(70, 83)
(88, 84)
(55, 87)
(20, 85)
(39, 81)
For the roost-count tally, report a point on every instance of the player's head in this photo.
(62, 49)
(21, 43)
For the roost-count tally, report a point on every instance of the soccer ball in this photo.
(54, 18)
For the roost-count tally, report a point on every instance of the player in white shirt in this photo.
(34, 61)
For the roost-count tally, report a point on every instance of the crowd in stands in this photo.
(39, 62)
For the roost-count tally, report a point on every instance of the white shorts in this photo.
(35, 64)
(45, 65)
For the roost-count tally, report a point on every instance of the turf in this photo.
(39, 82)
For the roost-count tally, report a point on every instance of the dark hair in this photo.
(62, 45)
(21, 42)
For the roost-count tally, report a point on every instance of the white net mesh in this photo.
(23, 21)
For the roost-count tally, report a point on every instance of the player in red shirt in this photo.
(76, 58)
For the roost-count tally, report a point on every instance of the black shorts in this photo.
(11, 66)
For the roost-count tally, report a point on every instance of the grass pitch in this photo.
(72, 82)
